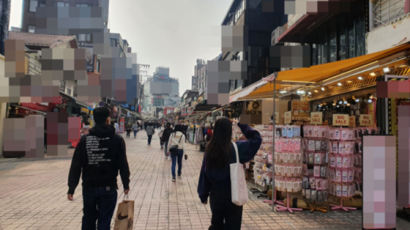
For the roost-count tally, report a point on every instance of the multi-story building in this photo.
(246, 39)
(87, 20)
(200, 75)
(389, 24)
(332, 30)
(161, 91)
(4, 22)
(188, 101)
(194, 83)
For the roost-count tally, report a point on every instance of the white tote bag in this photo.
(239, 190)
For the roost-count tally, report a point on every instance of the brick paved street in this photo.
(33, 196)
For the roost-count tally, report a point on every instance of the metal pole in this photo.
(273, 144)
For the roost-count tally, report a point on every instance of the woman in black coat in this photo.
(214, 180)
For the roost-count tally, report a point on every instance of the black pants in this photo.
(225, 215)
(149, 139)
(99, 205)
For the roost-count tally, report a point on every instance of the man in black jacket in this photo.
(165, 137)
(98, 157)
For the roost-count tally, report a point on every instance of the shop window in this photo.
(333, 47)
(63, 4)
(315, 54)
(342, 46)
(84, 37)
(360, 37)
(352, 41)
(31, 29)
(33, 6)
(82, 5)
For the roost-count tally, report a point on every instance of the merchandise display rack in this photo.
(342, 142)
(315, 170)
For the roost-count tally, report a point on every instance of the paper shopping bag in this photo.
(124, 219)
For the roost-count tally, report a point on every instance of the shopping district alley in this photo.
(33, 196)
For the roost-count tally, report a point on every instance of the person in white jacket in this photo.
(176, 148)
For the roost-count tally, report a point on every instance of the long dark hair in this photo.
(217, 152)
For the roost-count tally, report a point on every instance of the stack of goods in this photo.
(288, 159)
(262, 168)
(315, 161)
(342, 142)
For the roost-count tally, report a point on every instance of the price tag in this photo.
(288, 117)
(340, 120)
(316, 118)
(366, 120)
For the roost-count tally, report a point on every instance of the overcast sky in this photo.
(170, 33)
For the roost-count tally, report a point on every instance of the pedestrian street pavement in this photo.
(33, 196)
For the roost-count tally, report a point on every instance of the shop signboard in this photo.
(340, 120)
(366, 120)
(316, 118)
(288, 117)
(300, 110)
(352, 121)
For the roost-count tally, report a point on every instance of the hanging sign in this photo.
(288, 117)
(366, 120)
(352, 121)
(316, 118)
(340, 120)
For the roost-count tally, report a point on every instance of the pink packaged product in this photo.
(325, 184)
(319, 158)
(344, 176)
(338, 190)
(338, 175)
(297, 145)
(323, 171)
(339, 161)
(312, 182)
(350, 175)
(311, 158)
(332, 161)
(348, 147)
(318, 145)
(318, 184)
(289, 185)
(335, 146)
(316, 171)
(305, 170)
(341, 147)
(311, 145)
(315, 131)
(347, 161)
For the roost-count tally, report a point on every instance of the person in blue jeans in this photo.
(214, 180)
(177, 138)
(99, 156)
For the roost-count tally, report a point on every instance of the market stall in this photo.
(333, 105)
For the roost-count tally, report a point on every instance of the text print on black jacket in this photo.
(99, 156)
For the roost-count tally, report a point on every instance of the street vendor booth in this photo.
(331, 118)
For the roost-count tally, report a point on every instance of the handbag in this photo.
(124, 218)
(239, 189)
(174, 148)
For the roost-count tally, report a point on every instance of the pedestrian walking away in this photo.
(97, 158)
(165, 138)
(150, 131)
(214, 180)
(135, 129)
(176, 148)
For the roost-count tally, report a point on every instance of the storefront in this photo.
(322, 115)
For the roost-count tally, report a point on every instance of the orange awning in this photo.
(314, 75)
(322, 72)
